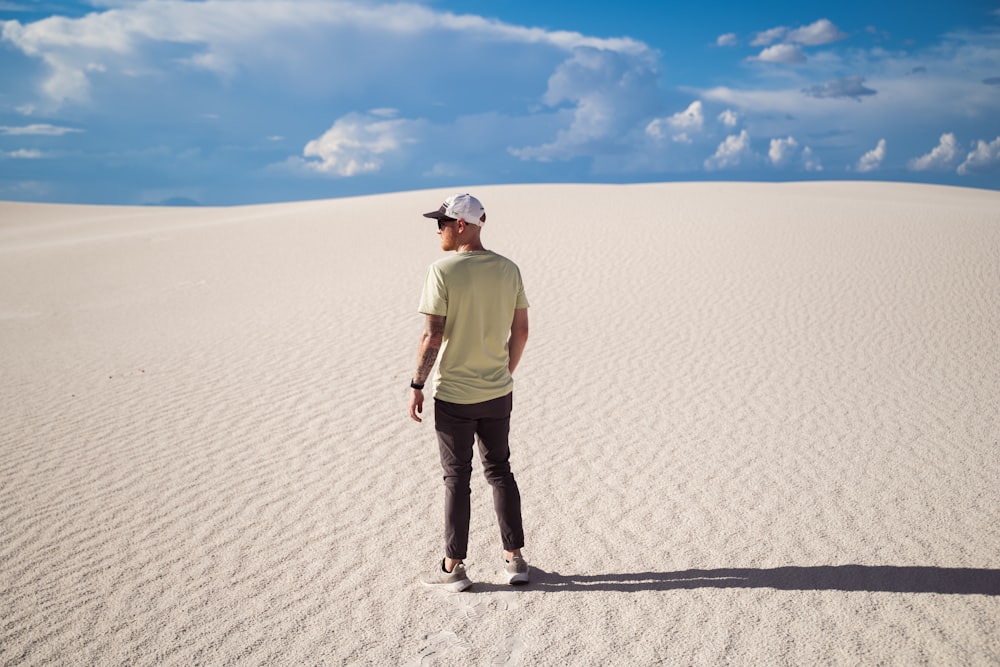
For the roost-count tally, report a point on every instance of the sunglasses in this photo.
(444, 221)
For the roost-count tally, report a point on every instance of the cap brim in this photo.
(439, 214)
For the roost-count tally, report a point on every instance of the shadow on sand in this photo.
(875, 579)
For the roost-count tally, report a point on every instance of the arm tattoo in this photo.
(430, 345)
(434, 325)
(426, 364)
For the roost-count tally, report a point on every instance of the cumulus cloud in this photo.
(610, 93)
(781, 53)
(942, 157)
(789, 50)
(817, 33)
(851, 87)
(872, 160)
(810, 162)
(358, 143)
(729, 39)
(782, 151)
(821, 32)
(38, 129)
(729, 118)
(769, 36)
(680, 125)
(785, 152)
(731, 152)
(986, 157)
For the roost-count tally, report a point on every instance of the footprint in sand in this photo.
(464, 606)
(441, 644)
(507, 601)
(470, 607)
(510, 652)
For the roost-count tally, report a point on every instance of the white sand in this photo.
(755, 424)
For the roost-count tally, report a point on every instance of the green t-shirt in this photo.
(477, 292)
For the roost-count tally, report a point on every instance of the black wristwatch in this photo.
(414, 385)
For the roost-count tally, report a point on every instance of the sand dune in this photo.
(755, 424)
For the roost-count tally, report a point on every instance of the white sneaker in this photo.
(517, 571)
(455, 581)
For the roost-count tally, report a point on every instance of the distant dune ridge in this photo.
(754, 424)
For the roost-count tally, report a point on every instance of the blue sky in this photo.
(249, 101)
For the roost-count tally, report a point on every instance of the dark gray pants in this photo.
(457, 428)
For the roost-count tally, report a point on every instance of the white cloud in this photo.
(789, 50)
(729, 39)
(872, 160)
(24, 154)
(785, 153)
(657, 129)
(820, 32)
(228, 37)
(684, 122)
(610, 94)
(731, 152)
(358, 143)
(986, 157)
(692, 118)
(769, 36)
(38, 129)
(729, 118)
(782, 151)
(942, 157)
(781, 53)
(809, 161)
(815, 34)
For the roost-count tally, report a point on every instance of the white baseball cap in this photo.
(461, 207)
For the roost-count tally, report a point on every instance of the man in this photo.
(477, 318)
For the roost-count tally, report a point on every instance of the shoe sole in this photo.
(518, 579)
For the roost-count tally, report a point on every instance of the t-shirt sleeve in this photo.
(434, 298)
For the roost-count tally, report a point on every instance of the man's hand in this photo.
(416, 404)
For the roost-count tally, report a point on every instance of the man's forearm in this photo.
(515, 348)
(518, 338)
(430, 346)
(426, 357)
